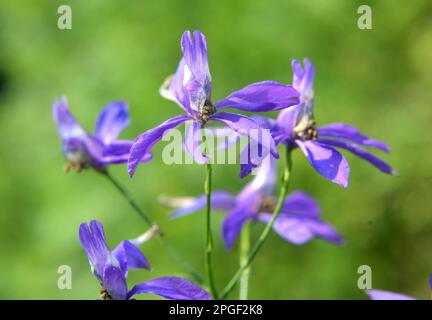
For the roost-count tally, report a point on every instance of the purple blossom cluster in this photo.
(297, 219)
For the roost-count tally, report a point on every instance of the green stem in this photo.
(185, 265)
(244, 251)
(264, 235)
(129, 199)
(209, 236)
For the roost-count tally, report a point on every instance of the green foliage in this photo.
(378, 80)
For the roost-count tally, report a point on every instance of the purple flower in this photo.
(111, 269)
(296, 127)
(83, 149)
(298, 222)
(387, 295)
(190, 88)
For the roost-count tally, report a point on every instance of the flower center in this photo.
(268, 204)
(206, 111)
(76, 166)
(77, 160)
(104, 295)
(305, 129)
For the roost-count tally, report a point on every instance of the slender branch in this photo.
(264, 235)
(243, 252)
(129, 199)
(185, 265)
(209, 235)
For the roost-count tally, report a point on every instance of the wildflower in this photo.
(190, 88)
(83, 149)
(111, 269)
(387, 295)
(296, 127)
(298, 222)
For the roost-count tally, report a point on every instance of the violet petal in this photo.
(130, 257)
(220, 200)
(327, 161)
(173, 288)
(362, 153)
(111, 121)
(143, 144)
(344, 131)
(260, 97)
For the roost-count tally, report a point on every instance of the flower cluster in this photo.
(295, 217)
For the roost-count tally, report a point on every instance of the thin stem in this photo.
(209, 236)
(129, 199)
(264, 235)
(185, 265)
(244, 251)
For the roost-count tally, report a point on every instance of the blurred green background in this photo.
(378, 80)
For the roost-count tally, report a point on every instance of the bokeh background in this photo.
(378, 80)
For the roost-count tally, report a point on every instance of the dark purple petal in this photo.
(174, 87)
(260, 97)
(362, 153)
(247, 168)
(301, 203)
(344, 131)
(143, 144)
(220, 200)
(111, 121)
(114, 282)
(430, 281)
(195, 55)
(303, 78)
(233, 224)
(93, 241)
(172, 288)
(192, 142)
(130, 257)
(387, 295)
(327, 161)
